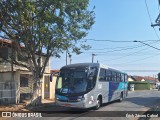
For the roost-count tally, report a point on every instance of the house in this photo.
(16, 83)
(149, 79)
(52, 83)
(135, 78)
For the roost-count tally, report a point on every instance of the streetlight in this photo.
(70, 57)
(146, 44)
(93, 57)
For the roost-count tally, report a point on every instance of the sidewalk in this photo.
(22, 106)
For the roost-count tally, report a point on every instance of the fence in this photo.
(8, 93)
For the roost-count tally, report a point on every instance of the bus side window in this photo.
(122, 77)
(108, 75)
(118, 77)
(114, 76)
(102, 75)
(125, 78)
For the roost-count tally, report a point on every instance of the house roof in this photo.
(149, 78)
(137, 78)
(8, 43)
(146, 78)
(4, 42)
(55, 71)
(51, 71)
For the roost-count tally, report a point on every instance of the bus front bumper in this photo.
(81, 104)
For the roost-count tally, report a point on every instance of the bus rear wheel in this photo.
(121, 97)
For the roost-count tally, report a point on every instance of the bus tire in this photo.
(98, 103)
(121, 97)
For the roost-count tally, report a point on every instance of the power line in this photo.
(123, 49)
(141, 41)
(151, 20)
(107, 40)
(148, 45)
(156, 33)
(116, 47)
(124, 56)
(148, 12)
(138, 60)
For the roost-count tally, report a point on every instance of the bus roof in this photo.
(81, 65)
(90, 64)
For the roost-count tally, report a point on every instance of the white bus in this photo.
(87, 85)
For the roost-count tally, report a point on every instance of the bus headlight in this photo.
(80, 98)
(91, 100)
(57, 98)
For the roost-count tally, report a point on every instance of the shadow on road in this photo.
(145, 101)
(51, 110)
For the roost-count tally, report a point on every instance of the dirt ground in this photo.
(12, 107)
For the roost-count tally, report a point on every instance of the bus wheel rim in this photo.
(98, 103)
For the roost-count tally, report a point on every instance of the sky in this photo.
(122, 21)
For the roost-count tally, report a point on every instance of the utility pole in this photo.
(93, 57)
(70, 58)
(157, 19)
(66, 56)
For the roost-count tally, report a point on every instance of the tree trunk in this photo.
(36, 99)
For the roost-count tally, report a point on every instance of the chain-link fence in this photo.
(8, 93)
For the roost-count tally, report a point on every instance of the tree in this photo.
(44, 27)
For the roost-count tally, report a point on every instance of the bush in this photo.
(139, 85)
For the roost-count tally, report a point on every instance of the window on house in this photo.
(6, 85)
(4, 53)
(21, 58)
(23, 82)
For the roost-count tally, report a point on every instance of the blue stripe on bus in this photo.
(122, 86)
(116, 86)
(61, 97)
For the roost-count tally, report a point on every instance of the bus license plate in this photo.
(67, 104)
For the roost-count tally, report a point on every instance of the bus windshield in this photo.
(74, 81)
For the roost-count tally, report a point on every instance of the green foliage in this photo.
(49, 26)
(140, 85)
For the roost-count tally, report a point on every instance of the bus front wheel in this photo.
(98, 103)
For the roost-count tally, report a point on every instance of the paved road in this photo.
(136, 101)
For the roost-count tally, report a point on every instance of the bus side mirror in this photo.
(51, 76)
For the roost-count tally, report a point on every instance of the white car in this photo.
(158, 87)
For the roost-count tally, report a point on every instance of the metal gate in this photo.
(8, 93)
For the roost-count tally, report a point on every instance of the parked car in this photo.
(158, 87)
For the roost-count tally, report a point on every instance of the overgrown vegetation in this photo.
(139, 85)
